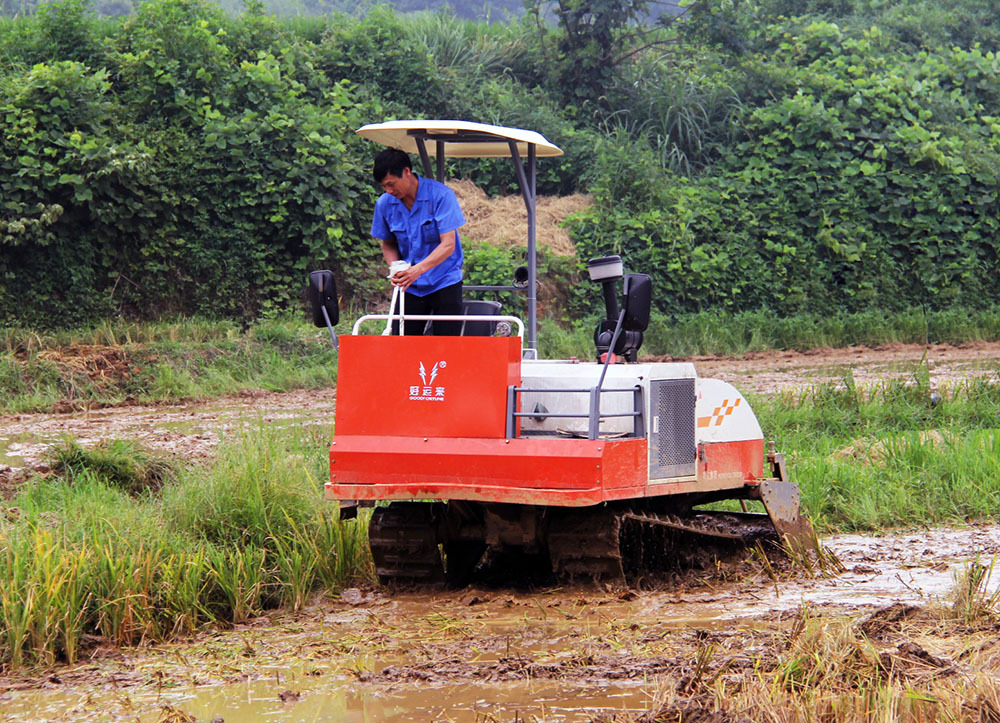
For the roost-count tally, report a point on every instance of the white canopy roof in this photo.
(463, 139)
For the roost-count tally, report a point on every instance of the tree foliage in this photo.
(202, 185)
(870, 177)
(751, 154)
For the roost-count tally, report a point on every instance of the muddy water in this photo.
(284, 700)
(481, 655)
(464, 702)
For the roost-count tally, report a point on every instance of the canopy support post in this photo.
(439, 156)
(526, 180)
(425, 157)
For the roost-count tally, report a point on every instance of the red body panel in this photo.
(743, 460)
(532, 471)
(426, 386)
(425, 418)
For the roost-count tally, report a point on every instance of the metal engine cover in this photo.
(668, 394)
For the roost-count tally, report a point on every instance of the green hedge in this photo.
(183, 161)
(870, 178)
(189, 176)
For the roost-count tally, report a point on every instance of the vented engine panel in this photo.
(672, 445)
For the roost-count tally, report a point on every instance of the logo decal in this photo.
(427, 392)
(719, 413)
(423, 373)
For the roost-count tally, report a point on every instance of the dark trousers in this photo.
(443, 301)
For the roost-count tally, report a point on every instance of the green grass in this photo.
(83, 552)
(122, 463)
(725, 333)
(885, 456)
(116, 362)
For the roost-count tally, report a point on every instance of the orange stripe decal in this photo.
(719, 414)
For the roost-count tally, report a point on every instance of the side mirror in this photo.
(638, 298)
(323, 298)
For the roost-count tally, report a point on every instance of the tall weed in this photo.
(260, 487)
(220, 543)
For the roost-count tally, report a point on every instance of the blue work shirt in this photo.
(417, 231)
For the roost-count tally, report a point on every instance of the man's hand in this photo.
(404, 279)
(443, 250)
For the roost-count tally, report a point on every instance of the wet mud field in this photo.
(193, 429)
(500, 654)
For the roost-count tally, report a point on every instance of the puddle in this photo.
(18, 449)
(309, 700)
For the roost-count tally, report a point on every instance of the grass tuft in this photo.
(124, 464)
(972, 601)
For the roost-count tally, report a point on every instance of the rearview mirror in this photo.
(323, 298)
(638, 298)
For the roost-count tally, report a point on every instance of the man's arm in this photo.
(443, 250)
(390, 251)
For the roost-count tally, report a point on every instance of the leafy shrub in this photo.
(848, 189)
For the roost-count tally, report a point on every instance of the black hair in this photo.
(390, 161)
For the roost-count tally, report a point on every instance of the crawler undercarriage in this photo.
(416, 543)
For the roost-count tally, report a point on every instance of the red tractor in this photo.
(476, 444)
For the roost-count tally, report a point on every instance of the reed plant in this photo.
(81, 554)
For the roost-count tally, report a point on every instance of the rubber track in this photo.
(583, 543)
(587, 543)
(404, 544)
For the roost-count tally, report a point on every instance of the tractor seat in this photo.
(479, 307)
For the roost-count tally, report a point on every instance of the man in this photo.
(416, 220)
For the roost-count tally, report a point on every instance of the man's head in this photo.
(394, 172)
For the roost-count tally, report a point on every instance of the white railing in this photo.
(438, 317)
